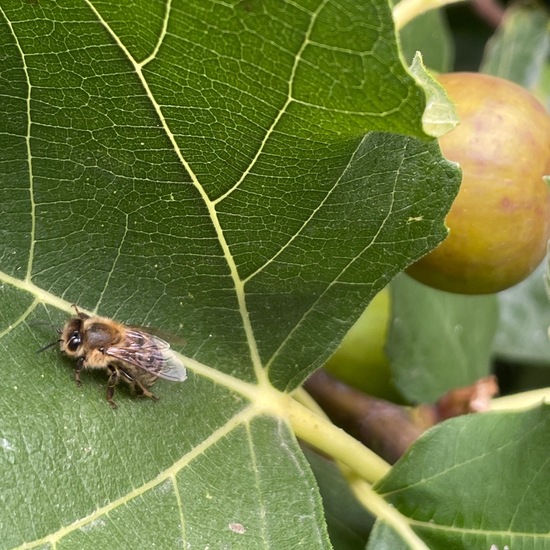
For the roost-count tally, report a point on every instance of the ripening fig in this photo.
(500, 220)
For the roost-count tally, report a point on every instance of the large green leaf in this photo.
(477, 481)
(246, 175)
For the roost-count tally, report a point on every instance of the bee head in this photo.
(70, 335)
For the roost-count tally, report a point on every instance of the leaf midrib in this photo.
(260, 371)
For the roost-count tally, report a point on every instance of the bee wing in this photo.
(160, 334)
(150, 353)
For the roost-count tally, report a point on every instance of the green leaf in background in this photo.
(438, 341)
(347, 521)
(246, 175)
(477, 481)
(522, 333)
(429, 34)
(520, 48)
(383, 537)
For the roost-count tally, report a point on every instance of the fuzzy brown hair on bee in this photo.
(127, 353)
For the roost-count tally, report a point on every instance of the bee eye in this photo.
(74, 341)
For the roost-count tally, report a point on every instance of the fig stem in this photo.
(407, 10)
(321, 433)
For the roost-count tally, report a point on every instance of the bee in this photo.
(127, 353)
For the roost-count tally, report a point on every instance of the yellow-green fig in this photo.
(361, 361)
(500, 220)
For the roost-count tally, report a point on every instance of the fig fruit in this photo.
(500, 220)
(360, 360)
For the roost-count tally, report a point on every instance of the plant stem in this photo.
(358, 483)
(334, 442)
(521, 400)
(407, 10)
(386, 513)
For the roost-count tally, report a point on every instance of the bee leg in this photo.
(137, 387)
(78, 370)
(142, 391)
(113, 379)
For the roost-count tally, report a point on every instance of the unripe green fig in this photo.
(361, 360)
(500, 220)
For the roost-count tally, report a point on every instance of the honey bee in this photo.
(127, 353)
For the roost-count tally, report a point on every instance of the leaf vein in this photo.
(321, 295)
(28, 147)
(238, 420)
(255, 356)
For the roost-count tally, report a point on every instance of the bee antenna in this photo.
(36, 323)
(48, 346)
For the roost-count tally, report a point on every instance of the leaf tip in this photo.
(439, 115)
